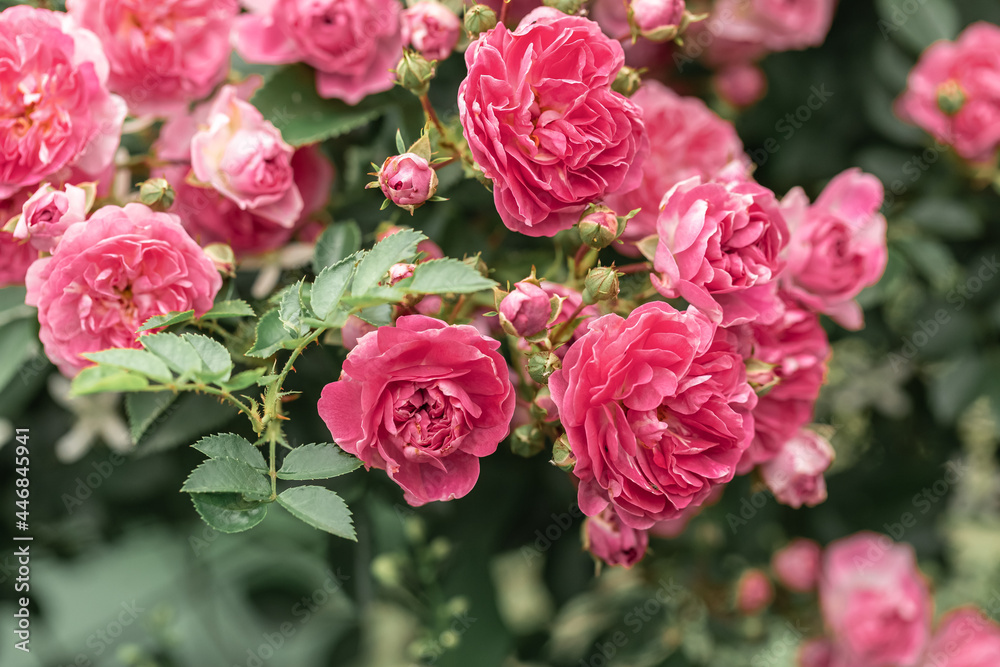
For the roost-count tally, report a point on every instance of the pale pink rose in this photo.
(48, 214)
(953, 92)
(16, 257)
(353, 44)
(740, 84)
(543, 123)
(754, 591)
(423, 401)
(433, 29)
(244, 157)
(55, 101)
(795, 474)
(796, 349)
(875, 602)
(686, 139)
(965, 638)
(837, 246)
(112, 273)
(613, 542)
(719, 247)
(796, 565)
(656, 409)
(163, 55)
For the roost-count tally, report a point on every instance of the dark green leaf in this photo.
(271, 333)
(215, 510)
(18, 343)
(330, 286)
(337, 242)
(228, 445)
(320, 508)
(228, 476)
(138, 361)
(190, 417)
(317, 462)
(394, 248)
(232, 308)
(243, 379)
(441, 276)
(214, 357)
(144, 409)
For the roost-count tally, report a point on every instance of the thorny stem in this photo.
(565, 325)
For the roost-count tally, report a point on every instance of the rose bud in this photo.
(400, 271)
(657, 20)
(543, 365)
(795, 475)
(609, 539)
(157, 194)
(433, 29)
(407, 180)
(48, 213)
(797, 565)
(627, 81)
(741, 84)
(479, 18)
(526, 310)
(754, 592)
(562, 455)
(223, 257)
(527, 441)
(414, 72)
(570, 7)
(601, 284)
(599, 227)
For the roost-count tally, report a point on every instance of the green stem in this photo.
(557, 337)
(272, 442)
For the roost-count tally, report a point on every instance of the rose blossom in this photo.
(353, 44)
(162, 54)
(423, 401)
(686, 139)
(740, 84)
(796, 565)
(244, 157)
(48, 214)
(56, 110)
(754, 591)
(17, 257)
(816, 653)
(874, 601)
(965, 638)
(837, 246)
(407, 180)
(795, 474)
(543, 123)
(613, 542)
(952, 92)
(525, 311)
(433, 28)
(652, 16)
(112, 273)
(719, 246)
(656, 409)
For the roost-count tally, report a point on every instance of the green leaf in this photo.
(189, 418)
(392, 249)
(317, 462)
(144, 409)
(320, 508)
(271, 334)
(157, 321)
(96, 379)
(214, 357)
(290, 309)
(228, 445)
(18, 343)
(12, 297)
(330, 286)
(400, 144)
(215, 511)
(441, 276)
(289, 100)
(917, 25)
(138, 361)
(378, 316)
(232, 308)
(336, 243)
(948, 218)
(243, 380)
(180, 356)
(228, 476)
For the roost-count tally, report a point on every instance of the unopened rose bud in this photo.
(741, 84)
(754, 592)
(598, 227)
(407, 180)
(527, 441)
(950, 97)
(479, 18)
(414, 72)
(157, 194)
(601, 284)
(797, 565)
(562, 455)
(223, 258)
(657, 20)
(399, 272)
(571, 7)
(542, 365)
(627, 81)
(795, 475)
(433, 28)
(526, 310)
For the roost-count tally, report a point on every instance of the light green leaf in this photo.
(320, 508)
(180, 356)
(337, 242)
(442, 276)
(96, 379)
(378, 316)
(948, 218)
(214, 357)
(228, 476)
(138, 361)
(330, 286)
(271, 334)
(917, 25)
(317, 462)
(232, 308)
(215, 509)
(18, 343)
(243, 379)
(290, 310)
(145, 409)
(157, 321)
(228, 445)
(394, 248)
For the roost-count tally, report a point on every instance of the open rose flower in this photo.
(874, 601)
(48, 214)
(423, 401)
(543, 123)
(353, 44)
(613, 542)
(795, 474)
(112, 273)
(432, 28)
(686, 139)
(719, 247)
(244, 157)
(162, 54)
(837, 246)
(952, 92)
(657, 412)
(17, 257)
(55, 110)
(965, 638)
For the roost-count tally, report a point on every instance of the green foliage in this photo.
(320, 508)
(317, 461)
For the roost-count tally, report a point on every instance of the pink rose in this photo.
(48, 214)
(741, 84)
(407, 180)
(656, 409)
(754, 592)
(55, 102)
(952, 92)
(613, 542)
(965, 638)
(874, 601)
(719, 246)
(816, 653)
(112, 273)
(353, 44)
(433, 28)
(651, 16)
(525, 311)
(543, 123)
(244, 157)
(162, 55)
(797, 564)
(687, 139)
(423, 401)
(795, 474)
(17, 257)
(837, 246)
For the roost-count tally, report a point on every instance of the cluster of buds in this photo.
(157, 194)
(660, 20)
(408, 179)
(599, 226)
